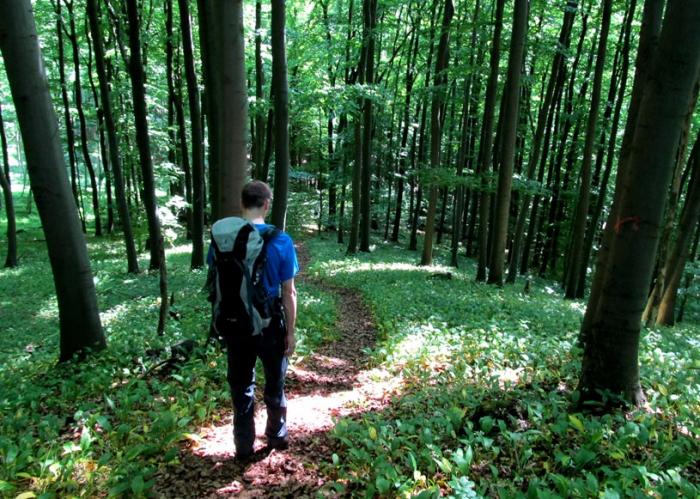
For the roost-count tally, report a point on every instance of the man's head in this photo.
(256, 196)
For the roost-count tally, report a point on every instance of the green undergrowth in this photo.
(104, 426)
(489, 378)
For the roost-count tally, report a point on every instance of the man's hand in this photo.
(290, 343)
(289, 301)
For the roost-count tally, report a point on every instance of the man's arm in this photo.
(289, 302)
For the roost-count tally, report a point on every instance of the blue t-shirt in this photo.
(281, 264)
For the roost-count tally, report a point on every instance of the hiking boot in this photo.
(243, 455)
(278, 443)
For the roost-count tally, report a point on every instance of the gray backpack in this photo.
(241, 305)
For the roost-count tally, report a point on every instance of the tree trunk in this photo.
(6, 184)
(675, 264)
(110, 128)
(611, 345)
(510, 124)
(197, 139)
(356, 181)
(579, 228)
(646, 53)
(281, 99)
(75, 290)
(70, 133)
(369, 9)
(142, 138)
(78, 91)
(486, 144)
(436, 120)
(259, 145)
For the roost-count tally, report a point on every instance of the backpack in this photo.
(241, 304)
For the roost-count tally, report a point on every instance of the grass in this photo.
(106, 425)
(489, 382)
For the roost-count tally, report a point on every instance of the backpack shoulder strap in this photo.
(270, 233)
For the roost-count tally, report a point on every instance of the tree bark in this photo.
(580, 219)
(78, 91)
(259, 145)
(436, 120)
(510, 124)
(110, 128)
(369, 9)
(6, 184)
(75, 290)
(281, 99)
(197, 139)
(611, 345)
(486, 144)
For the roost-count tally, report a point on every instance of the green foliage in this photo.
(489, 377)
(108, 424)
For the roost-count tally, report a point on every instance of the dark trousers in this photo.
(242, 355)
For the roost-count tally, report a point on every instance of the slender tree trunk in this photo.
(75, 290)
(436, 120)
(5, 183)
(369, 10)
(259, 145)
(675, 263)
(78, 91)
(70, 133)
(579, 229)
(110, 128)
(510, 124)
(611, 345)
(197, 139)
(281, 99)
(142, 137)
(356, 181)
(486, 144)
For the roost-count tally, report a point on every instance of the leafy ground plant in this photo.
(489, 383)
(104, 426)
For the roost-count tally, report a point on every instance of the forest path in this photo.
(330, 383)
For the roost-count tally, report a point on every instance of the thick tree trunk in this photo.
(197, 139)
(281, 99)
(110, 128)
(611, 345)
(75, 290)
(579, 228)
(436, 120)
(646, 54)
(510, 124)
(486, 144)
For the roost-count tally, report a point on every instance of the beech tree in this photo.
(79, 318)
(611, 340)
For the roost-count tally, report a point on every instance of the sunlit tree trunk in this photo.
(75, 290)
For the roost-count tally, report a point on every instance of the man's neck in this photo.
(254, 216)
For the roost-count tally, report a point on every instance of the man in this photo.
(274, 345)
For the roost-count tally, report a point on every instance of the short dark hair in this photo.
(254, 194)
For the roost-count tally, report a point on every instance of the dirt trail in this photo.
(328, 384)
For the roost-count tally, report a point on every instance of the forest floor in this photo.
(333, 382)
